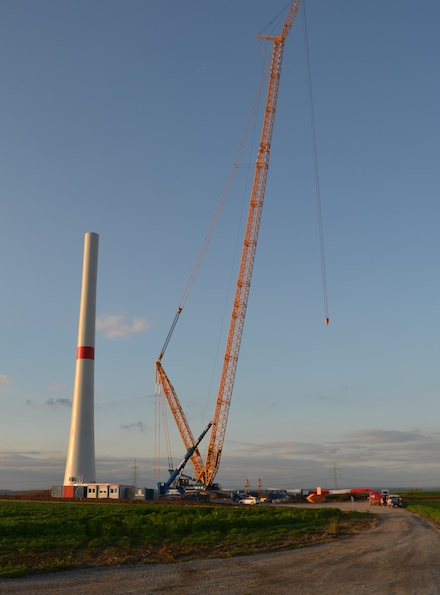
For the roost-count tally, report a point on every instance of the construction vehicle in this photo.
(205, 471)
(173, 480)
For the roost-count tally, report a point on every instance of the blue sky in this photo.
(124, 118)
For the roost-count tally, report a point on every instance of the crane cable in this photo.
(276, 18)
(215, 217)
(315, 159)
(160, 414)
(245, 194)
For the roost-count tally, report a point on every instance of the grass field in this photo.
(426, 504)
(38, 537)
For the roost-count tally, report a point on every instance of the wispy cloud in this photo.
(293, 464)
(59, 403)
(56, 387)
(139, 426)
(384, 436)
(364, 457)
(286, 449)
(5, 379)
(50, 403)
(115, 325)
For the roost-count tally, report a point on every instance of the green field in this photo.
(426, 504)
(40, 537)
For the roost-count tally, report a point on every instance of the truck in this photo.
(375, 498)
(384, 498)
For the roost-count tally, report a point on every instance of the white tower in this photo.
(80, 463)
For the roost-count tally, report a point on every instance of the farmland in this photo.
(40, 537)
(426, 504)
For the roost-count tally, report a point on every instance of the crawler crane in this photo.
(206, 471)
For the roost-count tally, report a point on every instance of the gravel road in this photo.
(401, 555)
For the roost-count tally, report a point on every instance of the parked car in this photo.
(394, 501)
(237, 496)
(249, 500)
(279, 497)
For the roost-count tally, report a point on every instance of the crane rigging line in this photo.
(221, 202)
(205, 471)
(275, 18)
(315, 160)
(247, 166)
(223, 196)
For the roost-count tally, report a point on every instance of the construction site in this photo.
(80, 474)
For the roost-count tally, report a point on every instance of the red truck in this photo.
(379, 497)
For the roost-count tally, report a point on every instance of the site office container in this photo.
(80, 491)
(132, 493)
(119, 491)
(139, 493)
(103, 491)
(69, 491)
(92, 490)
(57, 491)
(114, 492)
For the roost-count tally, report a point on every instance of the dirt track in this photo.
(401, 555)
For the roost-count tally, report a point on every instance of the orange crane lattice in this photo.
(206, 472)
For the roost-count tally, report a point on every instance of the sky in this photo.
(124, 118)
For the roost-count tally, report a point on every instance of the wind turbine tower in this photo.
(80, 463)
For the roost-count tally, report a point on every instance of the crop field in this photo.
(426, 504)
(38, 537)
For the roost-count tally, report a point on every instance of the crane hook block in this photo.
(327, 320)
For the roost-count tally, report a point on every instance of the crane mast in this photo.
(206, 472)
(244, 278)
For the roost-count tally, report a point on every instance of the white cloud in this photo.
(5, 379)
(59, 402)
(115, 325)
(140, 426)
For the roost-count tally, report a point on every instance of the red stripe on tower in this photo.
(85, 353)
